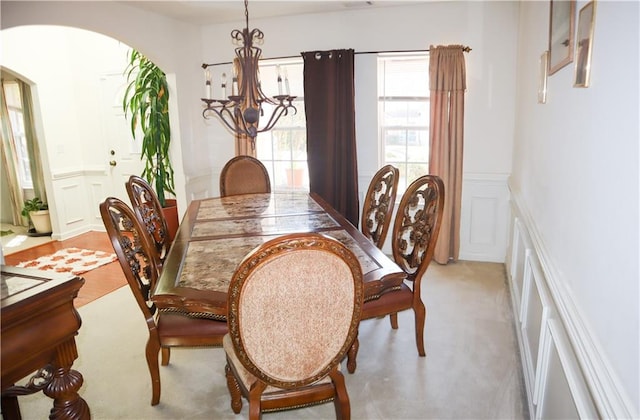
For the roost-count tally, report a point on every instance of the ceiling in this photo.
(203, 12)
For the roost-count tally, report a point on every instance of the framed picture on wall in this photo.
(542, 82)
(561, 27)
(584, 44)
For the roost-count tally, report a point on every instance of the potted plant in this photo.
(146, 99)
(38, 214)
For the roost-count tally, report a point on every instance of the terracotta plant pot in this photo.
(170, 211)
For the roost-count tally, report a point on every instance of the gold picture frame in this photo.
(584, 44)
(561, 29)
(542, 81)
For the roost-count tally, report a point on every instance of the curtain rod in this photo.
(205, 65)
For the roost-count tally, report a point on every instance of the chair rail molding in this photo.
(564, 336)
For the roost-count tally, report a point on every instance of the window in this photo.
(283, 149)
(403, 106)
(16, 120)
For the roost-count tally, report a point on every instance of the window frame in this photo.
(297, 172)
(383, 129)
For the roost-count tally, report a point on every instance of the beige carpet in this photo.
(472, 369)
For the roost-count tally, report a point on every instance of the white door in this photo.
(121, 151)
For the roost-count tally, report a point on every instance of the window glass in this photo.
(16, 120)
(283, 149)
(403, 104)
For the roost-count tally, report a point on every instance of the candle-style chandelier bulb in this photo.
(241, 112)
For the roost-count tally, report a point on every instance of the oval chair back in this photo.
(244, 175)
(294, 310)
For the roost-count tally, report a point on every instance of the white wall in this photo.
(489, 28)
(574, 161)
(66, 65)
(180, 49)
(173, 45)
(575, 180)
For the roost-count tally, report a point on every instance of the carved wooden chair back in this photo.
(149, 212)
(294, 309)
(378, 204)
(415, 232)
(244, 175)
(135, 253)
(416, 227)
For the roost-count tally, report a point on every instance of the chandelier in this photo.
(243, 111)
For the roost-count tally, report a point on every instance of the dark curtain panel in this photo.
(331, 133)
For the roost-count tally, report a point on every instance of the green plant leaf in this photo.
(146, 103)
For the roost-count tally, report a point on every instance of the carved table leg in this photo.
(351, 356)
(65, 384)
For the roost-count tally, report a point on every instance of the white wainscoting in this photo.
(562, 368)
(484, 219)
(77, 196)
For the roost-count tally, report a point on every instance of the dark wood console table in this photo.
(38, 328)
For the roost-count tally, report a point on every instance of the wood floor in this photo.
(98, 282)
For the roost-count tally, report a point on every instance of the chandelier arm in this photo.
(280, 110)
(241, 111)
(221, 112)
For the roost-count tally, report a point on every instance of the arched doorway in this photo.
(77, 84)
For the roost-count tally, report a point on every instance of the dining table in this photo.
(215, 234)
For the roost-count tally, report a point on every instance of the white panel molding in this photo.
(97, 190)
(72, 211)
(531, 294)
(605, 389)
(484, 219)
(559, 401)
(203, 186)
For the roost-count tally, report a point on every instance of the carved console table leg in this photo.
(10, 408)
(65, 384)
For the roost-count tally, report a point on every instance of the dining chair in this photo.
(294, 308)
(148, 210)
(166, 329)
(244, 175)
(378, 204)
(415, 232)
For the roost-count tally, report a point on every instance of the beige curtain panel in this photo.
(35, 160)
(447, 81)
(10, 164)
